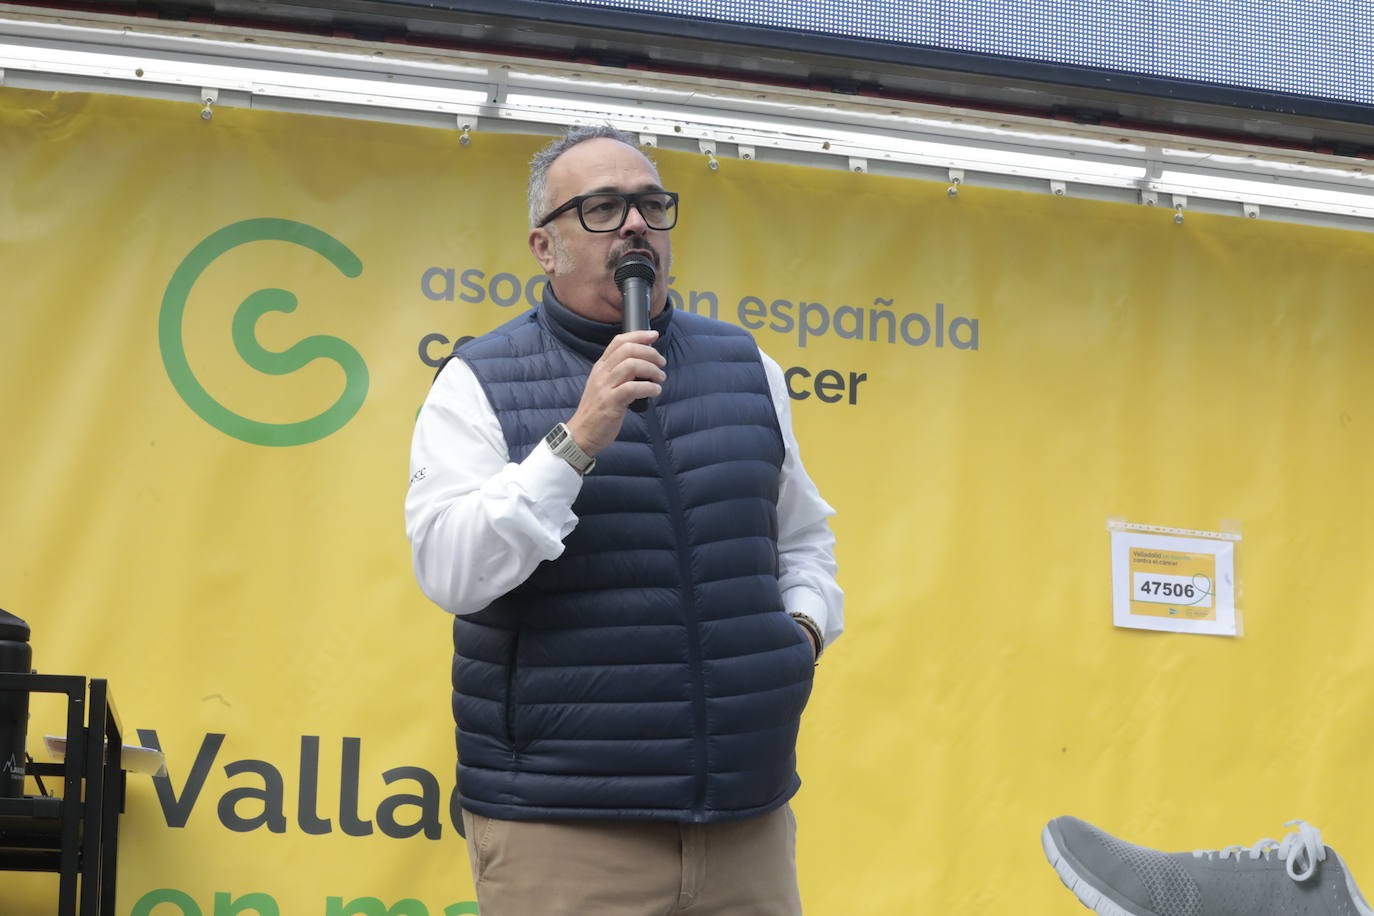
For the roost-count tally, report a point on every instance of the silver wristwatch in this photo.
(562, 444)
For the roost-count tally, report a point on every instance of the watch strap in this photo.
(811, 627)
(561, 442)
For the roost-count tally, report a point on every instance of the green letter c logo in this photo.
(245, 341)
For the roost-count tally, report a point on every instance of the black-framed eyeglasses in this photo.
(605, 211)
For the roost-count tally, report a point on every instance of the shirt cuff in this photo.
(552, 485)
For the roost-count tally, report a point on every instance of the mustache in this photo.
(632, 243)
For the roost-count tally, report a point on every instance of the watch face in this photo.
(562, 444)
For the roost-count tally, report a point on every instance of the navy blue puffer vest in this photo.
(650, 671)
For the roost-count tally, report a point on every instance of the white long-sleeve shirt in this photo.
(479, 523)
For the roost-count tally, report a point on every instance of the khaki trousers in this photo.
(635, 868)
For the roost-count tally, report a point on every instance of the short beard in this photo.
(563, 264)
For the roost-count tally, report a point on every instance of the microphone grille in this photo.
(634, 266)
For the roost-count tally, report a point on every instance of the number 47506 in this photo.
(1168, 589)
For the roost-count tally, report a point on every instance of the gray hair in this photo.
(544, 159)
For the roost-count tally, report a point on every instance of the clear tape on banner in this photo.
(1230, 529)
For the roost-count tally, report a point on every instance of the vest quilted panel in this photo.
(650, 671)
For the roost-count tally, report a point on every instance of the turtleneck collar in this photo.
(586, 336)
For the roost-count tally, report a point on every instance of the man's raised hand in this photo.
(629, 369)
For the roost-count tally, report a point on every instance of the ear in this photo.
(541, 246)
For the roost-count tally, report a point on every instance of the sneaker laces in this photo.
(1303, 843)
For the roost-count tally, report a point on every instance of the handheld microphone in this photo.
(634, 276)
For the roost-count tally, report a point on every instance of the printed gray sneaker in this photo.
(1297, 877)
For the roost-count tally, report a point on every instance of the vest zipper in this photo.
(511, 674)
(689, 603)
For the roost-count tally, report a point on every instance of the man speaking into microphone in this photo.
(639, 596)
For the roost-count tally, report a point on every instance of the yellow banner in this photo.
(217, 334)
